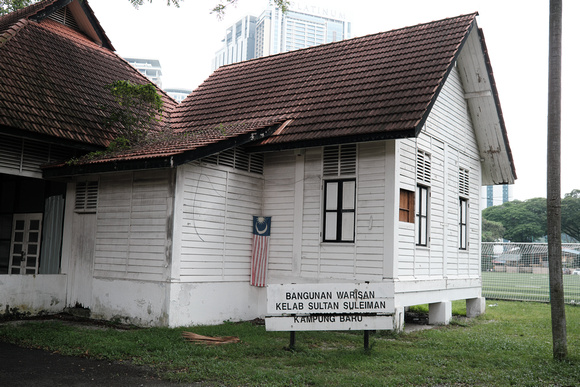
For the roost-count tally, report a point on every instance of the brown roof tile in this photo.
(378, 86)
(52, 82)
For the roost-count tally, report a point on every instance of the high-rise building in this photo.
(239, 43)
(151, 68)
(178, 94)
(495, 195)
(274, 32)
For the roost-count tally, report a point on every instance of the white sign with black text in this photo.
(342, 306)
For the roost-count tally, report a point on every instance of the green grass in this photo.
(509, 345)
(527, 287)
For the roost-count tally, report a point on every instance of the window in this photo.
(422, 198)
(463, 207)
(407, 206)
(86, 196)
(339, 210)
(463, 216)
(423, 167)
(421, 216)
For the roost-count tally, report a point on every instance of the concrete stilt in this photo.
(440, 313)
(475, 306)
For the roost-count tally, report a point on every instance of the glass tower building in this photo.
(275, 32)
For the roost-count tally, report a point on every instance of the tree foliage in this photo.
(491, 231)
(571, 214)
(526, 221)
(220, 8)
(136, 108)
(7, 6)
(523, 221)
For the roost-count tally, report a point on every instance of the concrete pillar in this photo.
(399, 319)
(475, 306)
(440, 313)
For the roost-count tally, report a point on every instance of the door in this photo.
(25, 243)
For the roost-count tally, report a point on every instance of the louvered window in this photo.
(64, 16)
(239, 159)
(86, 196)
(463, 182)
(339, 160)
(423, 167)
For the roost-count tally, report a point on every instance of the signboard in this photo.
(355, 306)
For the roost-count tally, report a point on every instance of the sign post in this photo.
(330, 307)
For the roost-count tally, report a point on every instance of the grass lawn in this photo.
(527, 287)
(509, 345)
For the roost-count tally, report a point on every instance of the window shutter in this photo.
(463, 182)
(423, 167)
(238, 158)
(339, 160)
(86, 196)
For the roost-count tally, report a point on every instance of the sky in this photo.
(186, 39)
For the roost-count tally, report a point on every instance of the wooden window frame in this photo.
(407, 206)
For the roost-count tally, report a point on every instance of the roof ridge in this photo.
(351, 40)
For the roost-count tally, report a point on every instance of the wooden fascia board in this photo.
(332, 141)
(495, 95)
(483, 101)
(96, 26)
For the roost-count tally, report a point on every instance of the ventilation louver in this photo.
(339, 160)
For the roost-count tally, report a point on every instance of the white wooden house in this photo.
(367, 154)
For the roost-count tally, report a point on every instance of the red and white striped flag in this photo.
(260, 243)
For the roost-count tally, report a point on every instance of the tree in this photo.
(571, 214)
(524, 221)
(7, 6)
(220, 8)
(559, 340)
(491, 231)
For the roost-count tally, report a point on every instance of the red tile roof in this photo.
(373, 87)
(52, 81)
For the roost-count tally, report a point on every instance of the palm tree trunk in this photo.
(553, 182)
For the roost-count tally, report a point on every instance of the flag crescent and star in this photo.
(260, 244)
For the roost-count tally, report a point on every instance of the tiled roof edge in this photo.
(12, 31)
(421, 123)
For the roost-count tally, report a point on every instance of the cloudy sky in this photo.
(185, 40)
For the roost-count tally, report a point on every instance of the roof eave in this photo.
(163, 161)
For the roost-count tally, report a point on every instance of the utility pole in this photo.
(559, 340)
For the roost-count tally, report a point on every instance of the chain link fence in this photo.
(519, 271)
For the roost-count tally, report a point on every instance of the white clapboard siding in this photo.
(279, 175)
(216, 229)
(132, 222)
(370, 232)
(450, 139)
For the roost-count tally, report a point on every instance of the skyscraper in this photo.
(274, 32)
(496, 195)
(151, 68)
(239, 43)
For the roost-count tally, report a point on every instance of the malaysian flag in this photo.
(260, 242)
